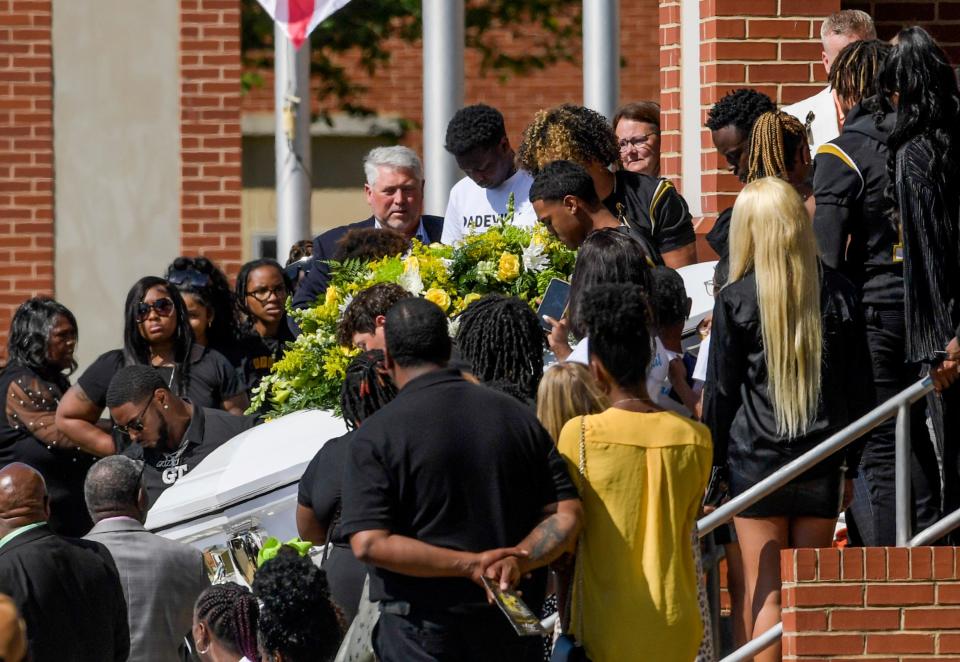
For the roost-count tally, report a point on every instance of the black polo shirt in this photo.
(653, 207)
(455, 465)
(208, 430)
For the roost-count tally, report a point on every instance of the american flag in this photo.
(298, 18)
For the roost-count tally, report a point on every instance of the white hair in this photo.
(849, 22)
(397, 156)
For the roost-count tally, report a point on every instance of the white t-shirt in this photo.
(703, 355)
(473, 209)
(823, 125)
(658, 375)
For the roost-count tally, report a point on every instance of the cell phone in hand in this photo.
(554, 303)
(521, 617)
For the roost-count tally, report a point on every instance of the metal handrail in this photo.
(898, 405)
(815, 455)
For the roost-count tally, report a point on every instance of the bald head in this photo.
(23, 497)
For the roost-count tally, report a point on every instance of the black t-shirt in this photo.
(208, 430)
(212, 378)
(254, 355)
(652, 206)
(455, 465)
(322, 482)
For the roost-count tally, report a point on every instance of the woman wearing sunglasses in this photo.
(156, 333)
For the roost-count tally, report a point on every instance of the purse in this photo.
(567, 648)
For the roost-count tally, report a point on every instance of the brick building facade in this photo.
(768, 44)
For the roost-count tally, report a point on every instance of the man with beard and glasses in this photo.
(171, 435)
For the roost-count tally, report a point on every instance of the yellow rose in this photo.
(509, 267)
(439, 297)
(470, 298)
(331, 297)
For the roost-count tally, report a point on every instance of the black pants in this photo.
(482, 636)
(871, 518)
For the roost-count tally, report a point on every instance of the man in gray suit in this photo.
(161, 578)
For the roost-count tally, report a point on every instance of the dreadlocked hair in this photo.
(232, 614)
(298, 619)
(853, 75)
(567, 133)
(773, 145)
(501, 339)
(366, 388)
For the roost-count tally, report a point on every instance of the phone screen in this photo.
(554, 302)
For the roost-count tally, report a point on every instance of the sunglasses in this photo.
(163, 306)
(136, 425)
(189, 277)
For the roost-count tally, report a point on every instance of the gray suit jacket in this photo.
(161, 580)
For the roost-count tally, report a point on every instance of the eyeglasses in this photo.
(627, 143)
(710, 287)
(136, 424)
(263, 294)
(163, 306)
(189, 277)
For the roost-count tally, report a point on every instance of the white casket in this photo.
(695, 277)
(250, 482)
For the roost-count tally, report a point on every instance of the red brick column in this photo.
(210, 138)
(892, 603)
(769, 45)
(26, 156)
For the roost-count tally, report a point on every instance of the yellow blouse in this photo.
(645, 478)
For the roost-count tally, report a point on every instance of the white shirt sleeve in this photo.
(700, 369)
(452, 228)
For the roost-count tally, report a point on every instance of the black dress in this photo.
(737, 405)
(320, 491)
(28, 434)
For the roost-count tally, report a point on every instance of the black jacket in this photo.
(854, 223)
(325, 247)
(69, 593)
(737, 405)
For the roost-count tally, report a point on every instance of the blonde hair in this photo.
(771, 235)
(566, 391)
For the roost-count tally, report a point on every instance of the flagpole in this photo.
(601, 56)
(443, 38)
(292, 140)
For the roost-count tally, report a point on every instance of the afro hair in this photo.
(741, 108)
(474, 126)
(567, 133)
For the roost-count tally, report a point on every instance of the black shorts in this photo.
(821, 496)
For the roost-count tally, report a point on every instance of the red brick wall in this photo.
(398, 88)
(210, 139)
(26, 156)
(892, 603)
(769, 45)
(941, 18)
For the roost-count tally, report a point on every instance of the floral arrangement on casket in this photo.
(506, 259)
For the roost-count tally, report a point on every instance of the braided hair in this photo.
(502, 340)
(366, 388)
(232, 614)
(853, 75)
(567, 133)
(774, 140)
(298, 619)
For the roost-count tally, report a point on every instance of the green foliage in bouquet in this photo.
(506, 260)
